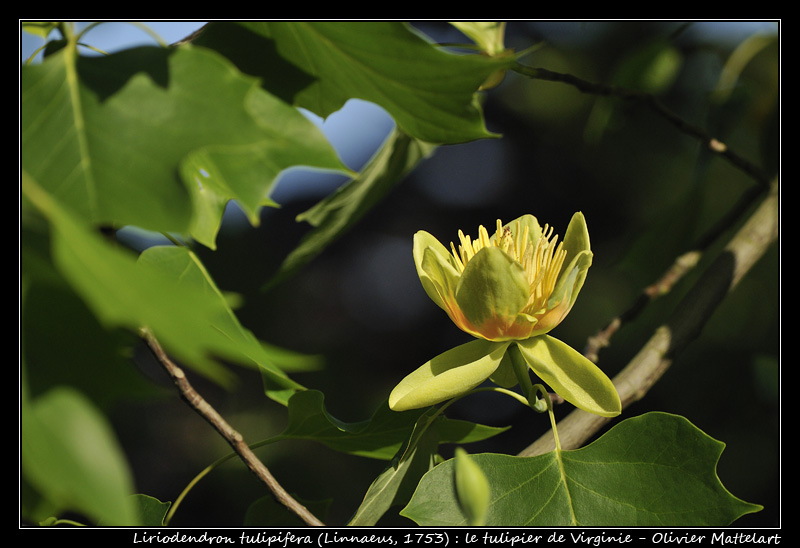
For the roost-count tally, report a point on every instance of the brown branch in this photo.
(234, 438)
(591, 88)
(682, 265)
(746, 247)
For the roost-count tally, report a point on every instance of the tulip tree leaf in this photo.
(184, 266)
(197, 133)
(379, 437)
(617, 480)
(337, 213)
(488, 35)
(122, 292)
(460, 431)
(395, 485)
(428, 91)
(152, 512)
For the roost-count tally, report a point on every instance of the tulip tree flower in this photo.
(508, 290)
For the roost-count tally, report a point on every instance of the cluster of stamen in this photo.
(542, 260)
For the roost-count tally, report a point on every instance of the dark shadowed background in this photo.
(647, 190)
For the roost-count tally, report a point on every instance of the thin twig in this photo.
(584, 86)
(234, 438)
(746, 247)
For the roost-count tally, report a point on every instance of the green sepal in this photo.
(571, 375)
(448, 375)
(492, 287)
(504, 376)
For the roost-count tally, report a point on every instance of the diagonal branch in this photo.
(234, 438)
(746, 247)
(679, 268)
(652, 102)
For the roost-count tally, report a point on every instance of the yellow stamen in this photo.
(541, 261)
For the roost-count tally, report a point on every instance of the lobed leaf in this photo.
(670, 480)
(429, 92)
(191, 320)
(379, 437)
(159, 138)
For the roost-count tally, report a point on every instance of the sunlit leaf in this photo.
(145, 136)
(124, 293)
(183, 266)
(337, 213)
(429, 92)
(653, 470)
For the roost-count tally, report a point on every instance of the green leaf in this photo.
(460, 431)
(183, 266)
(448, 375)
(396, 484)
(337, 213)
(429, 92)
(152, 512)
(379, 437)
(571, 375)
(618, 480)
(124, 293)
(146, 136)
(70, 455)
